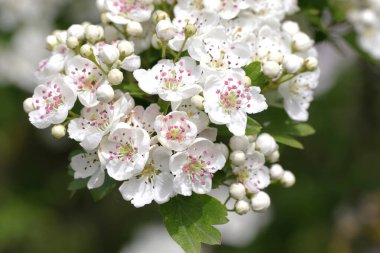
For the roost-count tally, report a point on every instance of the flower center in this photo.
(198, 4)
(149, 171)
(175, 133)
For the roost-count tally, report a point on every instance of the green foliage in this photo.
(254, 72)
(253, 127)
(288, 141)
(190, 220)
(77, 184)
(107, 187)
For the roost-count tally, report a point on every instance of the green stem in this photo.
(120, 31)
(73, 114)
(181, 49)
(164, 46)
(228, 199)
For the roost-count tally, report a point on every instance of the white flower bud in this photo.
(134, 29)
(58, 131)
(101, 4)
(76, 31)
(247, 81)
(290, 27)
(260, 201)
(293, 63)
(271, 69)
(94, 33)
(51, 42)
(126, 48)
(166, 30)
(302, 42)
(288, 179)
(109, 54)
(266, 144)
(86, 51)
(239, 143)
(275, 56)
(72, 42)
(28, 105)
(104, 18)
(368, 17)
(223, 148)
(61, 36)
(311, 63)
(159, 15)
(237, 191)
(197, 101)
(156, 42)
(276, 172)
(274, 157)
(131, 63)
(105, 93)
(238, 157)
(115, 77)
(242, 207)
(190, 30)
(251, 148)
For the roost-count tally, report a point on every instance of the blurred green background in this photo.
(334, 207)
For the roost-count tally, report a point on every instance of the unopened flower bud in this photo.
(368, 17)
(115, 77)
(266, 144)
(166, 30)
(77, 31)
(260, 201)
(72, 42)
(242, 207)
(94, 33)
(28, 105)
(238, 158)
(156, 42)
(271, 69)
(86, 51)
(251, 148)
(131, 63)
(109, 54)
(311, 63)
(276, 172)
(159, 15)
(302, 42)
(293, 63)
(290, 27)
(61, 36)
(197, 101)
(274, 157)
(288, 179)
(223, 148)
(247, 81)
(237, 191)
(275, 56)
(58, 131)
(190, 30)
(134, 29)
(126, 48)
(105, 93)
(239, 143)
(51, 42)
(104, 18)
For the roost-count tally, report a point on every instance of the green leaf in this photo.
(253, 127)
(164, 105)
(107, 187)
(78, 184)
(288, 141)
(254, 72)
(190, 220)
(300, 129)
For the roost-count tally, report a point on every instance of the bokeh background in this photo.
(333, 208)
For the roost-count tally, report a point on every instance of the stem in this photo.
(164, 46)
(73, 114)
(181, 49)
(163, 4)
(228, 199)
(120, 31)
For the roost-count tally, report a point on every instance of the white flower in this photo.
(98, 121)
(171, 81)
(229, 9)
(125, 151)
(166, 30)
(122, 11)
(214, 52)
(199, 118)
(87, 165)
(109, 54)
(144, 119)
(85, 77)
(227, 100)
(253, 174)
(273, 9)
(194, 168)
(298, 94)
(52, 102)
(241, 28)
(155, 182)
(175, 131)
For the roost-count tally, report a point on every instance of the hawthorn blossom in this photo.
(123, 11)
(171, 81)
(274, 9)
(175, 131)
(227, 100)
(229, 9)
(85, 77)
(199, 118)
(298, 94)
(155, 182)
(253, 174)
(194, 168)
(96, 122)
(144, 118)
(242, 28)
(215, 53)
(52, 101)
(87, 165)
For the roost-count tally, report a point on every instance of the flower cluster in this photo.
(365, 17)
(151, 94)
